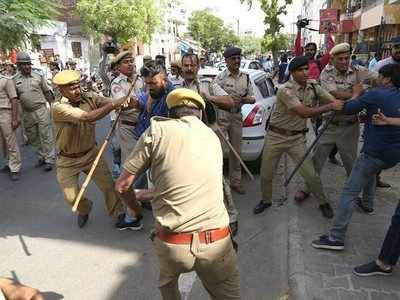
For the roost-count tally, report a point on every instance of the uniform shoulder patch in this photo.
(116, 88)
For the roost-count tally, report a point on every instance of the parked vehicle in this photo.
(255, 116)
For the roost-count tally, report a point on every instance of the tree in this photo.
(250, 45)
(273, 39)
(20, 18)
(123, 20)
(210, 31)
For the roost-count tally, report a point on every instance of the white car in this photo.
(255, 116)
(251, 64)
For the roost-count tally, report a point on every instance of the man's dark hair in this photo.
(183, 111)
(284, 58)
(151, 69)
(190, 55)
(391, 71)
(311, 44)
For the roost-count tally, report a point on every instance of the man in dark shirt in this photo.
(381, 151)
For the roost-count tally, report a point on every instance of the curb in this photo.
(296, 266)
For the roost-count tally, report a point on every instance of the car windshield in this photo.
(242, 64)
(261, 83)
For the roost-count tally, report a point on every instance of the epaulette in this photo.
(159, 118)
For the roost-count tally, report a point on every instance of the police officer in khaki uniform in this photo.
(9, 122)
(125, 64)
(340, 78)
(237, 84)
(212, 92)
(75, 117)
(296, 102)
(34, 93)
(191, 221)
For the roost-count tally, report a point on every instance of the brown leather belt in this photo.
(205, 237)
(75, 155)
(129, 123)
(287, 132)
(344, 123)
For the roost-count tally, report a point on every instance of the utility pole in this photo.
(238, 27)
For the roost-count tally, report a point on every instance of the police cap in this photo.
(298, 62)
(185, 97)
(66, 77)
(23, 57)
(124, 54)
(340, 48)
(232, 51)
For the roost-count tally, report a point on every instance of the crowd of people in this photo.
(174, 128)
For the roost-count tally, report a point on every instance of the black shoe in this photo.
(367, 210)
(261, 206)
(326, 210)
(325, 243)
(134, 225)
(371, 269)
(234, 226)
(381, 184)
(48, 167)
(39, 163)
(147, 205)
(82, 220)
(5, 169)
(14, 176)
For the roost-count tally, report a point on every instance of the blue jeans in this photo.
(390, 251)
(362, 178)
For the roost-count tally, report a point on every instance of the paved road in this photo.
(41, 245)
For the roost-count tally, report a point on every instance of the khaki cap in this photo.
(340, 48)
(66, 77)
(117, 59)
(185, 97)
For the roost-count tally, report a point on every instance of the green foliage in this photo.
(250, 45)
(20, 18)
(122, 19)
(210, 31)
(273, 40)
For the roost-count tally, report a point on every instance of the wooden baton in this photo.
(100, 153)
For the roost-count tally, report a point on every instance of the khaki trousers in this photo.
(295, 147)
(127, 140)
(215, 264)
(38, 129)
(68, 179)
(231, 126)
(345, 137)
(8, 141)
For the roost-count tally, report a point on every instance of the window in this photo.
(271, 86)
(76, 49)
(261, 84)
(254, 65)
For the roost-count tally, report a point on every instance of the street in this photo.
(41, 245)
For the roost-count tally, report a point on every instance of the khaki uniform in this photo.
(129, 118)
(344, 129)
(231, 122)
(76, 143)
(8, 137)
(290, 95)
(210, 88)
(36, 115)
(187, 200)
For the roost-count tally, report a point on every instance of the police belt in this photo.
(344, 123)
(205, 237)
(287, 132)
(75, 155)
(128, 123)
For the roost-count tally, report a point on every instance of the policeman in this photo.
(125, 63)
(146, 59)
(339, 79)
(296, 101)
(34, 93)
(191, 222)
(237, 85)
(74, 118)
(213, 93)
(175, 75)
(9, 122)
(71, 64)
